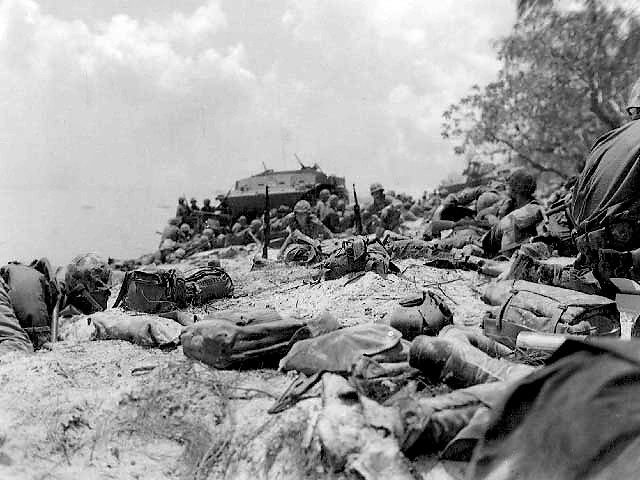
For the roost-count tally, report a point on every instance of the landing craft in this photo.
(286, 187)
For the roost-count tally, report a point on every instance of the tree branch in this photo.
(533, 163)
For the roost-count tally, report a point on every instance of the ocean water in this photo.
(61, 223)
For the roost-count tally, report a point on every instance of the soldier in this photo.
(605, 203)
(454, 206)
(322, 206)
(277, 223)
(521, 223)
(306, 223)
(240, 225)
(380, 200)
(185, 233)
(345, 215)
(383, 212)
(207, 208)
(255, 231)
(171, 231)
(331, 216)
(194, 205)
(182, 211)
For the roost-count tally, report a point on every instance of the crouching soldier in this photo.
(36, 295)
(604, 211)
(383, 213)
(303, 222)
(521, 223)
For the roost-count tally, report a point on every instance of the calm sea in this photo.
(61, 223)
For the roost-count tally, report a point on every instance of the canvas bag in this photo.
(543, 308)
(206, 284)
(338, 351)
(358, 255)
(152, 292)
(230, 340)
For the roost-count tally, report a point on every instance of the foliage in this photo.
(564, 80)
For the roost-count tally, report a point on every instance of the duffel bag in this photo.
(337, 351)
(542, 308)
(206, 284)
(152, 292)
(230, 340)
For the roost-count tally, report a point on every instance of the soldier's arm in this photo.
(322, 230)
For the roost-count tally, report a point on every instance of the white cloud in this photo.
(388, 71)
(186, 102)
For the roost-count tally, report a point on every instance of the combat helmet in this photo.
(522, 182)
(302, 207)
(324, 194)
(376, 187)
(256, 223)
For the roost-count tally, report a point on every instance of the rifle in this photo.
(356, 212)
(267, 223)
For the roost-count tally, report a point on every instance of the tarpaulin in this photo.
(577, 418)
(610, 181)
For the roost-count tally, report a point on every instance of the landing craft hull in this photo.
(286, 187)
(252, 205)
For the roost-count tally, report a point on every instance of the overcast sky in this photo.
(191, 95)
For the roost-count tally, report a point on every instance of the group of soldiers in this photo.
(201, 228)
(492, 220)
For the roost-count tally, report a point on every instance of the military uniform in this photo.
(182, 212)
(514, 229)
(313, 228)
(605, 204)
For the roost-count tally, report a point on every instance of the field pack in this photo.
(358, 254)
(168, 290)
(543, 308)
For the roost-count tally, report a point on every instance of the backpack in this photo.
(168, 290)
(152, 292)
(358, 255)
(206, 284)
(542, 308)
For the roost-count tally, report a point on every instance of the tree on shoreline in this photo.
(564, 81)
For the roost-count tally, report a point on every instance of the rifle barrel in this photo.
(267, 223)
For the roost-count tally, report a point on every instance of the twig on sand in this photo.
(64, 373)
(444, 282)
(445, 294)
(143, 369)
(257, 390)
(352, 279)
(410, 266)
(241, 447)
(290, 288)
(212, 453)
